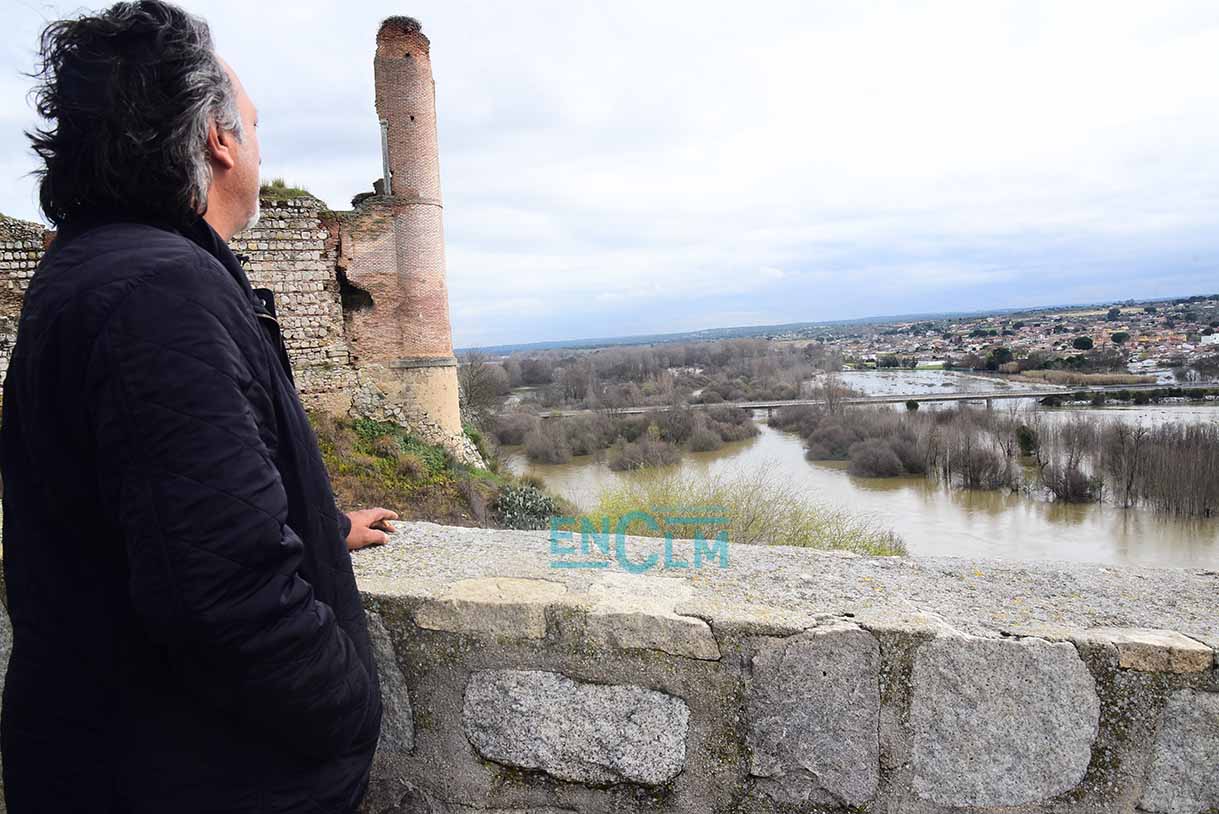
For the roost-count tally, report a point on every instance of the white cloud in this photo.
(787, 161)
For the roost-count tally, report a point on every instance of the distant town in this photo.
(1131, 336)
(1137, 336)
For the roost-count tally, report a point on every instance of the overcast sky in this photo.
(638, 167)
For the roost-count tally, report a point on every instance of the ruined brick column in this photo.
(392, 254)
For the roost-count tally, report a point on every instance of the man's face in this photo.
(244, 180)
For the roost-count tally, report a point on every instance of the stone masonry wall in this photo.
(781, 680)
(297, 251)
(787, 681)
(291, 251)
(21, 247)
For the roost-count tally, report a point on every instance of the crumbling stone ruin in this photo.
(361, 294)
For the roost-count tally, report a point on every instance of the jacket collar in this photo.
(202, 233)
(197, 230)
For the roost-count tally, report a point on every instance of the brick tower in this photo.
(392, 264)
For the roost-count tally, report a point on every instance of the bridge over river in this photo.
(892, 398)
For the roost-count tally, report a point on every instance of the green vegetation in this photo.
(278, 189)
(525, 506)
(759, 509)
(375, 463)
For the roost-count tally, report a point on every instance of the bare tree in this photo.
(479, 384)
(831, 391)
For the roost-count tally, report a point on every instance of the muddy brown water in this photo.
(935, 519)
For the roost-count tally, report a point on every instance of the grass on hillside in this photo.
(374, 463)
(760, 509)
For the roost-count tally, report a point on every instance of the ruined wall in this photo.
(292, 251)
(301, 251)
(787, 680)
(21, 247)
(405, 97)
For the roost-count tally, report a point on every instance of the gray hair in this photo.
(130, 94)
(214, 99)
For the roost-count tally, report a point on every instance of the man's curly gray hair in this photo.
(129, 94)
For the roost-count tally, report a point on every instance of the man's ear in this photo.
(222, 147)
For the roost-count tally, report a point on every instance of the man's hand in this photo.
(369, 527)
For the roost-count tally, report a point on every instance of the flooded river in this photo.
(937, 520)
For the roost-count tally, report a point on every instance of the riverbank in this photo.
(932, 519)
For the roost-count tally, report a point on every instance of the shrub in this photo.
(760, 508)
(1026, 437)
(547, 444)
(980, 468)
(914, 459)
(874, 459)
(674, 425)
(833, 441)
(510, 429)
(523, 506)
(1070, 484)
(587, 434)
(735, 432)
(409, 465)
(645, 452)
(386, 446)
(912, 405)
(802, 419)
(704, 440)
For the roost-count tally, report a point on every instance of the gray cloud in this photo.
(642, 167)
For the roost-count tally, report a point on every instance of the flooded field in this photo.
(934, 519)
(895, 382)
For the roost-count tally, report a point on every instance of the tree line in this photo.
(1171, 468)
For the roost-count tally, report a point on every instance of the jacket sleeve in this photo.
(344, 527)
(213, 565)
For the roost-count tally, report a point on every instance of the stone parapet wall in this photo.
(788, 681)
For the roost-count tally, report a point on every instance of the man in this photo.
(188, 636)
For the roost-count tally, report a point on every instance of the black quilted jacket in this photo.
(188, 636)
